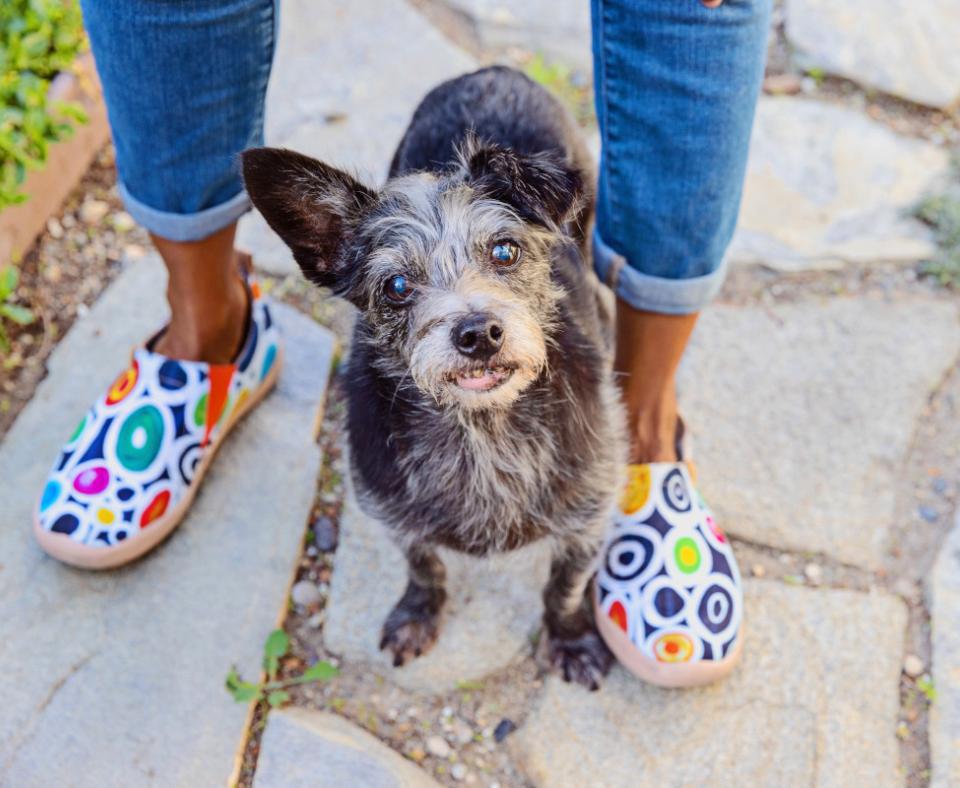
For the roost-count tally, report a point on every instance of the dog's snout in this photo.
(478, 335)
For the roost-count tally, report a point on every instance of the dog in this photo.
(482, 412)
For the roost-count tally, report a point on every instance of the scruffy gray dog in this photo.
(482, 412)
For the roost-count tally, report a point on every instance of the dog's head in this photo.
(451, 271)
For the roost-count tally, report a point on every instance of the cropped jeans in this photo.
(676, 87)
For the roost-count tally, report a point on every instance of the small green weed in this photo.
(561, 81)
(925, 685)
(817, 75)
(9, 279)
(274, 690)
(942, 213)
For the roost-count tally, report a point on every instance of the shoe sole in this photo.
(664, 674)
(65, 549)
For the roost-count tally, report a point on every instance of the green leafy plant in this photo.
(9, 279)
(942, 213)
(38, 39)
(925, 685)
(274, 690)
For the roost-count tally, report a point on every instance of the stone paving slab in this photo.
(312, 749)
(560, 29)
(342, 90)
(826, 186)
(905, 47)
(493, 606)
(802, 415)
(116, 678)
(814, 702)
(944, 594)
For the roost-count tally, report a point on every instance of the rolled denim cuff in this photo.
(186, 226)
(654, 293)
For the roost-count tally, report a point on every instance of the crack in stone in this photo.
(44, 703)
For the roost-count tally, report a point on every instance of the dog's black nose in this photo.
(478, 335)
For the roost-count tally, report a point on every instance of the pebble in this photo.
(93, 211)
(54, 227)
(813, 572)
(305, 594)
(939, 485)
(458, 772)
(758, 570)
(123, 222)
(462, 732)
(325, 534)
(782, 84)
(316, 620)
(133, 251)
(417, 754)
(504, 728)
(912, 665)
(438, 747)
(928, 513)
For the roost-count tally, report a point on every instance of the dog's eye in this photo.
(504, 253)
(398, 289)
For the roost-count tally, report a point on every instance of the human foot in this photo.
(129, 473)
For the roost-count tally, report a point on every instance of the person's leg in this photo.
(676, 87)
(677, 84)
(184, 84)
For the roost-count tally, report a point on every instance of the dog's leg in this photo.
(411, 628)
(573, 647)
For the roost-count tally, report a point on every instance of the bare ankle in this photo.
(653, 430)
(206, 332)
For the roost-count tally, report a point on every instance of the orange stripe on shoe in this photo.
(220, 377)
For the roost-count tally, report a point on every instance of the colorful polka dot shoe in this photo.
(128, 474)
(667, 596)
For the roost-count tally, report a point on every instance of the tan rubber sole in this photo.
(671, 675)
(65, 549)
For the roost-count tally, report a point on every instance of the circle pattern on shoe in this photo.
(134, 456)
(669, 580)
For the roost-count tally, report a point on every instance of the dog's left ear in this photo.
(541, 187)
(312, 206)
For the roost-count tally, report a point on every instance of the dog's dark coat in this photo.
(510, 142)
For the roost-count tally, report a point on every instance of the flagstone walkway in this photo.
(822, 390)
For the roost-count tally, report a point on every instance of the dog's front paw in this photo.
(584, 659)
(409, 633)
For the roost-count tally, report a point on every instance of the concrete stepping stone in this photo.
(802, 415)
(313, 749)
(559, 30)
(814, 702)
(493, 607)
(826, 186)
(904, 47)
(345, 82)
(116, 678)
(944, 594)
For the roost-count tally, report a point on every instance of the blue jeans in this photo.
(676, 87)
(185, 83)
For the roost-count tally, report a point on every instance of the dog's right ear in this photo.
(313, 207)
